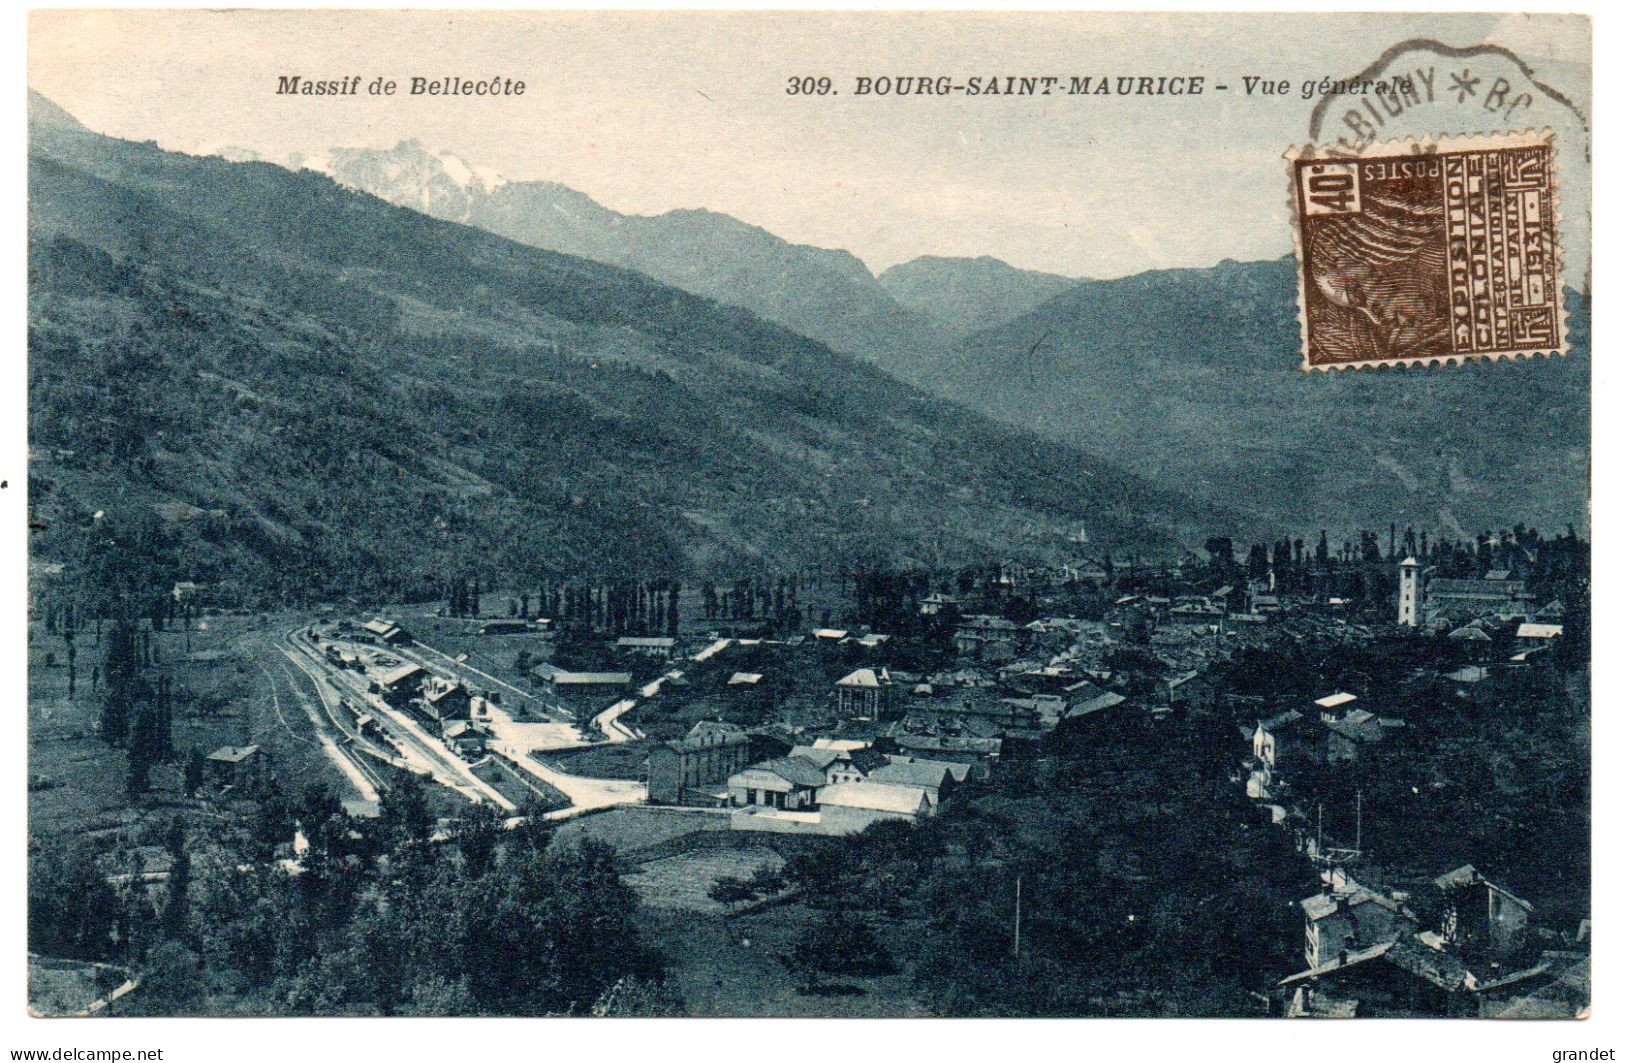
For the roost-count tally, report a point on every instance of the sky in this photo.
(653, 111)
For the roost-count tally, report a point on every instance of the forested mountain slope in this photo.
(313, 393)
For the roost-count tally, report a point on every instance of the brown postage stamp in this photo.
(1421, 251)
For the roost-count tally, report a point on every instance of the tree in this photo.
(148, 739)
(845, 944)
(766, 880)
(122, 672)
(177, 894)
(476, 831)
(404, 812)
(637, 996)
(171, 983)
(137, 774)
(437, 996)
(71, 908)
(192, 780)
(732, 890)
(556, 931)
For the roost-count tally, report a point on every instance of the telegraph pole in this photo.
(1015, 937)
(1359, 817)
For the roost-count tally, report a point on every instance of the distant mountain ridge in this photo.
(315, 393)
(828, 294)
(965, 295)
(44, 114)
(1190, 377)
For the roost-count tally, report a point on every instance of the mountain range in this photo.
(1186, 377)
(1189, 378)
(829, 295)
(965, 295)
(301, 389)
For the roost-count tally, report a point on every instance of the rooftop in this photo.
(233, 754)
(923, 773)
(591, 678)
(1468, 875)
(879, 797)
(1321, 905)
(865, 678)
(399, 674)
(821, 758)
(797, 770)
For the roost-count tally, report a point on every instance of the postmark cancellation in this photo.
(1427, 251)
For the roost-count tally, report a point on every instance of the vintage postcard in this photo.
(808, 514)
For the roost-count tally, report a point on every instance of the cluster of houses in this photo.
(1337, 728)
(830, 786)
(1468, 946)
(443, 706)
(1491, 617)
(1369, 953)
(906, 739)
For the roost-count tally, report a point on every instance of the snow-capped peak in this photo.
(436, 182)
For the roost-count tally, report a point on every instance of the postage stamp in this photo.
(1422, 251)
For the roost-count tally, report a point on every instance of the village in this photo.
(737, 718)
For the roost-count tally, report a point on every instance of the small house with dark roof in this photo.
(841, 762)
(386, 631)
(1401, 978)
(1350, 918)
(236, 765)
(783, 783)
(400, 684)
(1479, 914)
(937, 779)
(1286, 737)
(463, 738)
(1349, 735)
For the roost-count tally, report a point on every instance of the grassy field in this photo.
(632, 829)
(683, 881)
(607, 760)
(230, 689)
(736, 966)
(725, 965)
(63, 987)
(494, 654)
